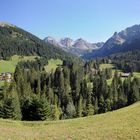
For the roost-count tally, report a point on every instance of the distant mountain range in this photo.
(126, 40)
(78, 47)
(14, 40)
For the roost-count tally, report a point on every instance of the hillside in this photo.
(121, 124)
(16, 41)
(124, 41)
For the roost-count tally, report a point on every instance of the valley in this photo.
(47, 92)
(69, 70)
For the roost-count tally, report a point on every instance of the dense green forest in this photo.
(70, 91)
(128, 62)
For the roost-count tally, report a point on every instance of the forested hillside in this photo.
(128, 61)
(15, 41)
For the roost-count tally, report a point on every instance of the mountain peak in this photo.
(120, 42)
(78, 47)
(81, 40)
(51, 40)
(67, 42)
(115, 33)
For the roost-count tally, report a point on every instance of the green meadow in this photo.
(9, 65)
(122, 124)
(53, 64)
(105, 66)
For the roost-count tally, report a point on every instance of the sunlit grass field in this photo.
(10, 65)
(123, 124)
(136, 74)
(105, 66)
(53, 64)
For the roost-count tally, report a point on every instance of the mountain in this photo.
(16, 41)
(66, 42)
(126, 40)
(78, 47)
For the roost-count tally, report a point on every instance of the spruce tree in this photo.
(90, 108)
(56, 111)
(101, 104)
(79, 107)
(134, 94)
(96, 108)
(70, 110)
(43, 111)
(11, 105)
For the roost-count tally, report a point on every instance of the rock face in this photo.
(127, 35)
(66, 42)
(78, 47)
(51, 40)
(119, 42)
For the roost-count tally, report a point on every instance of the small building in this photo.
(125, 75)
(6, 76)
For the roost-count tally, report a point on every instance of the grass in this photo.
(123, 124)
(9, 66)
(136, 74)
(109, 81)
(53, 64)
(1, 83)
(105, 66)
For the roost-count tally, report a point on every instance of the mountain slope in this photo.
(16, 41)
(126, 40)
(117, 125)
(78, 47)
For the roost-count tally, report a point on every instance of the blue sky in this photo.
(93, 20)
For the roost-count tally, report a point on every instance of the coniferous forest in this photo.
(70, 91)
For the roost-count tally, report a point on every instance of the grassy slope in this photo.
(53, 64)
(104, 66)
(9, 66)
(136, 74)
(123, 124)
